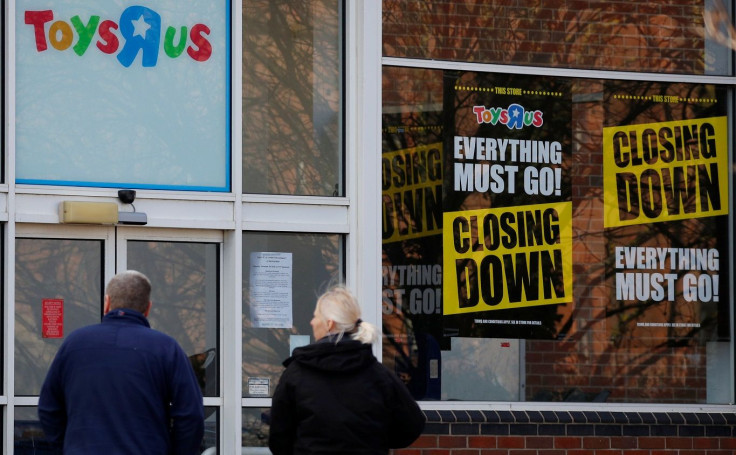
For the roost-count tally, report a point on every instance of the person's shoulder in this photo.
(83, 332)
(388, 377)
(161, 338)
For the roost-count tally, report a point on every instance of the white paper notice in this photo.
(270, 290)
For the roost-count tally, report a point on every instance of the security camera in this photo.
(126, 196)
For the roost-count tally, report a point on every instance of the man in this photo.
(120, 387)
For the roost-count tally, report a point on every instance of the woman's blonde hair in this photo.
(340, 305)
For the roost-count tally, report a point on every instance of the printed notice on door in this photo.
(270, 290)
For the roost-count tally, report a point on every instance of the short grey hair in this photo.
(129, 289)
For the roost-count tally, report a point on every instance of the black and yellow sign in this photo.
(507, 258)
(665, 171)
(412, 192)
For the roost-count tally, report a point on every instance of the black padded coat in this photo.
(337, 399)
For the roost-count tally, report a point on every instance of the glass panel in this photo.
(256, 425)
(553, 239)
(211, 440)
(677, 36)
(283, 274)
(58, 289)
(2, 96)
(28, 435)
(185, 292)
(113, 119)
(31, 440)
(292, 97)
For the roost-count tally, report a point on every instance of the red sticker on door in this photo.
(53, 318)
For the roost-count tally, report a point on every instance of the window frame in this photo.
(729, 82)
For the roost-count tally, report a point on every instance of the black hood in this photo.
(325, 355)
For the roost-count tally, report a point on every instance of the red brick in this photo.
(624, 443)
(482, 441)
(425, 441)
(679, 443)
(651, 443)
(539, 442)
(568, 442)
(705, 443)
(452, 441)
(596, 443)
(510, 442)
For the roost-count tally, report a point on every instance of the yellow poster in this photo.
(665, 171)
(507, 258)
(412, 192)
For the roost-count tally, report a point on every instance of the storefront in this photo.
(535, 202)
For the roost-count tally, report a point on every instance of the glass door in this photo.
(184, 269)
(60, 278)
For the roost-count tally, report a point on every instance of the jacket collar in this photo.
(126, 315)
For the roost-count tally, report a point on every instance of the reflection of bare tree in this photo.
(292, 97)
(51, 268)
(601, 349)
(718, 25)
(184, 287)
(604, 342)
(567, 35)
(316, 264)
(184, 279)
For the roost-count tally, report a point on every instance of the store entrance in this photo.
(61, 273)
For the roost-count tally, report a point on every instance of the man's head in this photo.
(129, 289)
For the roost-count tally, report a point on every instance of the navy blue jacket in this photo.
(120, 387)
(337, 399)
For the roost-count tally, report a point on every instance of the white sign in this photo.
(259, 387)
(270, 290)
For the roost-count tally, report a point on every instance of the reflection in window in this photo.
(29, 437)
(53, 277)
(256, 424)
(292, 97)
(2, 98)
(615, 295)
(211, 439)
(660, 35)
(185, 293)
(283, 274)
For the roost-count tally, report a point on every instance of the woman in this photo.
(334, 396)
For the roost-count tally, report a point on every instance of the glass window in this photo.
(554, 239)
(292, 97)
(256, 425)
(58, 289)
(678, 36)
(211, 439)
(185, 292)
(29, 437)
(283, 274)
(2, 96)
(139, 99)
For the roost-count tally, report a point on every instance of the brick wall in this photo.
(575, 433)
